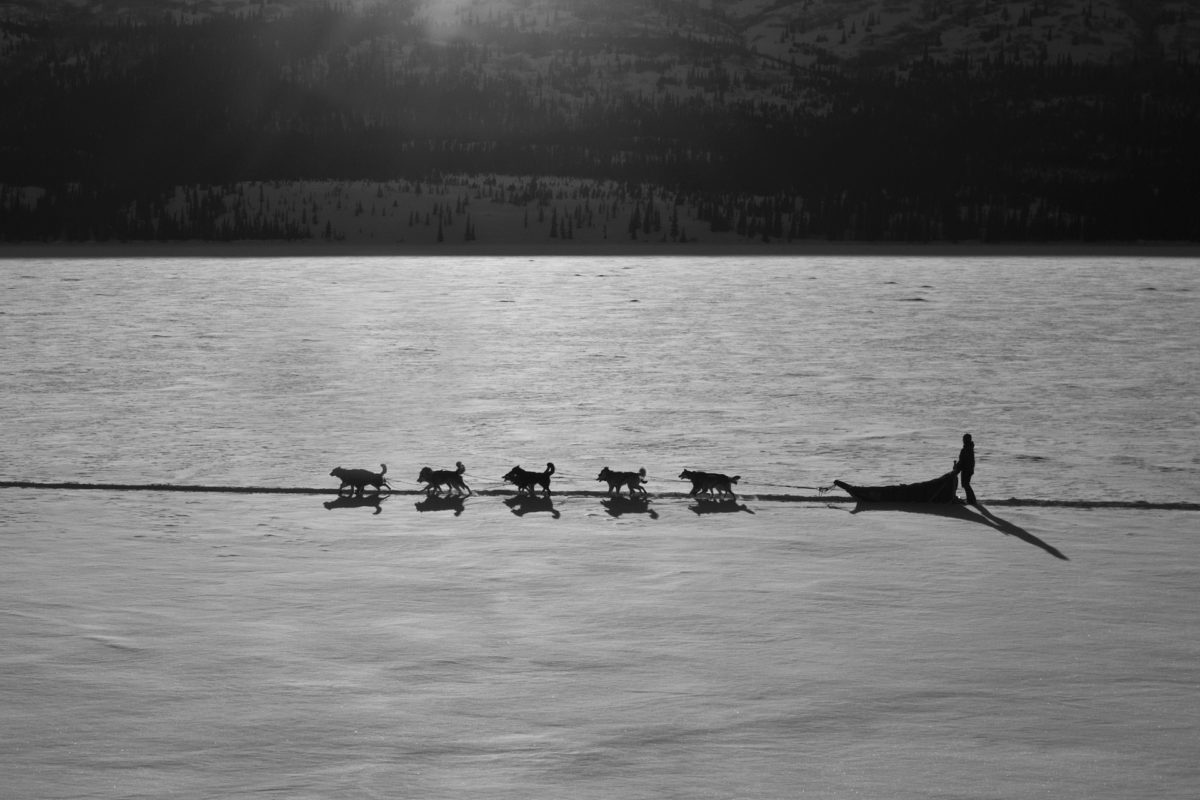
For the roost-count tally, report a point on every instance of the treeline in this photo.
(224, 213)
(109, 120)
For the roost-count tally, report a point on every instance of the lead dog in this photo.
(711, 482)
(450, 478)
(359, 479)
(616, 480)
(525, 480)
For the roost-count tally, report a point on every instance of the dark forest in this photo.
(108, 119)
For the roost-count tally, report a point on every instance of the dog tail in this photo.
(382, 469)
(549, 468)
(461, 468)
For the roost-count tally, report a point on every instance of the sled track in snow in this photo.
(755, 496)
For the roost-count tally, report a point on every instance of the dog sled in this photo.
(939, 490)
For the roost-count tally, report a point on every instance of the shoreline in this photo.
(812, 248)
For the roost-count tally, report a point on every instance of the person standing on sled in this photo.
(965, 466)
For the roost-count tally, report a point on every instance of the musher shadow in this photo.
(441, 503)
(616, 506)
(524, 504)
(374, 501)
(965, 513)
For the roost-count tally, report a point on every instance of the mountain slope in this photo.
(879, 120)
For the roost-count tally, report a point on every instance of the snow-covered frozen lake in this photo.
(232, 645)
(166, 645)
(1077, 377)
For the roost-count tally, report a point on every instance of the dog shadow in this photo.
(718, 505)
(618, 506)
(374, 501)
(523, 504)
(441, 503)
(962, 512)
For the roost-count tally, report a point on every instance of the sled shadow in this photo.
(374, 501)
(437, 503)
(524, 504)
(958, 511)
(719, 506)
(616, 506)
